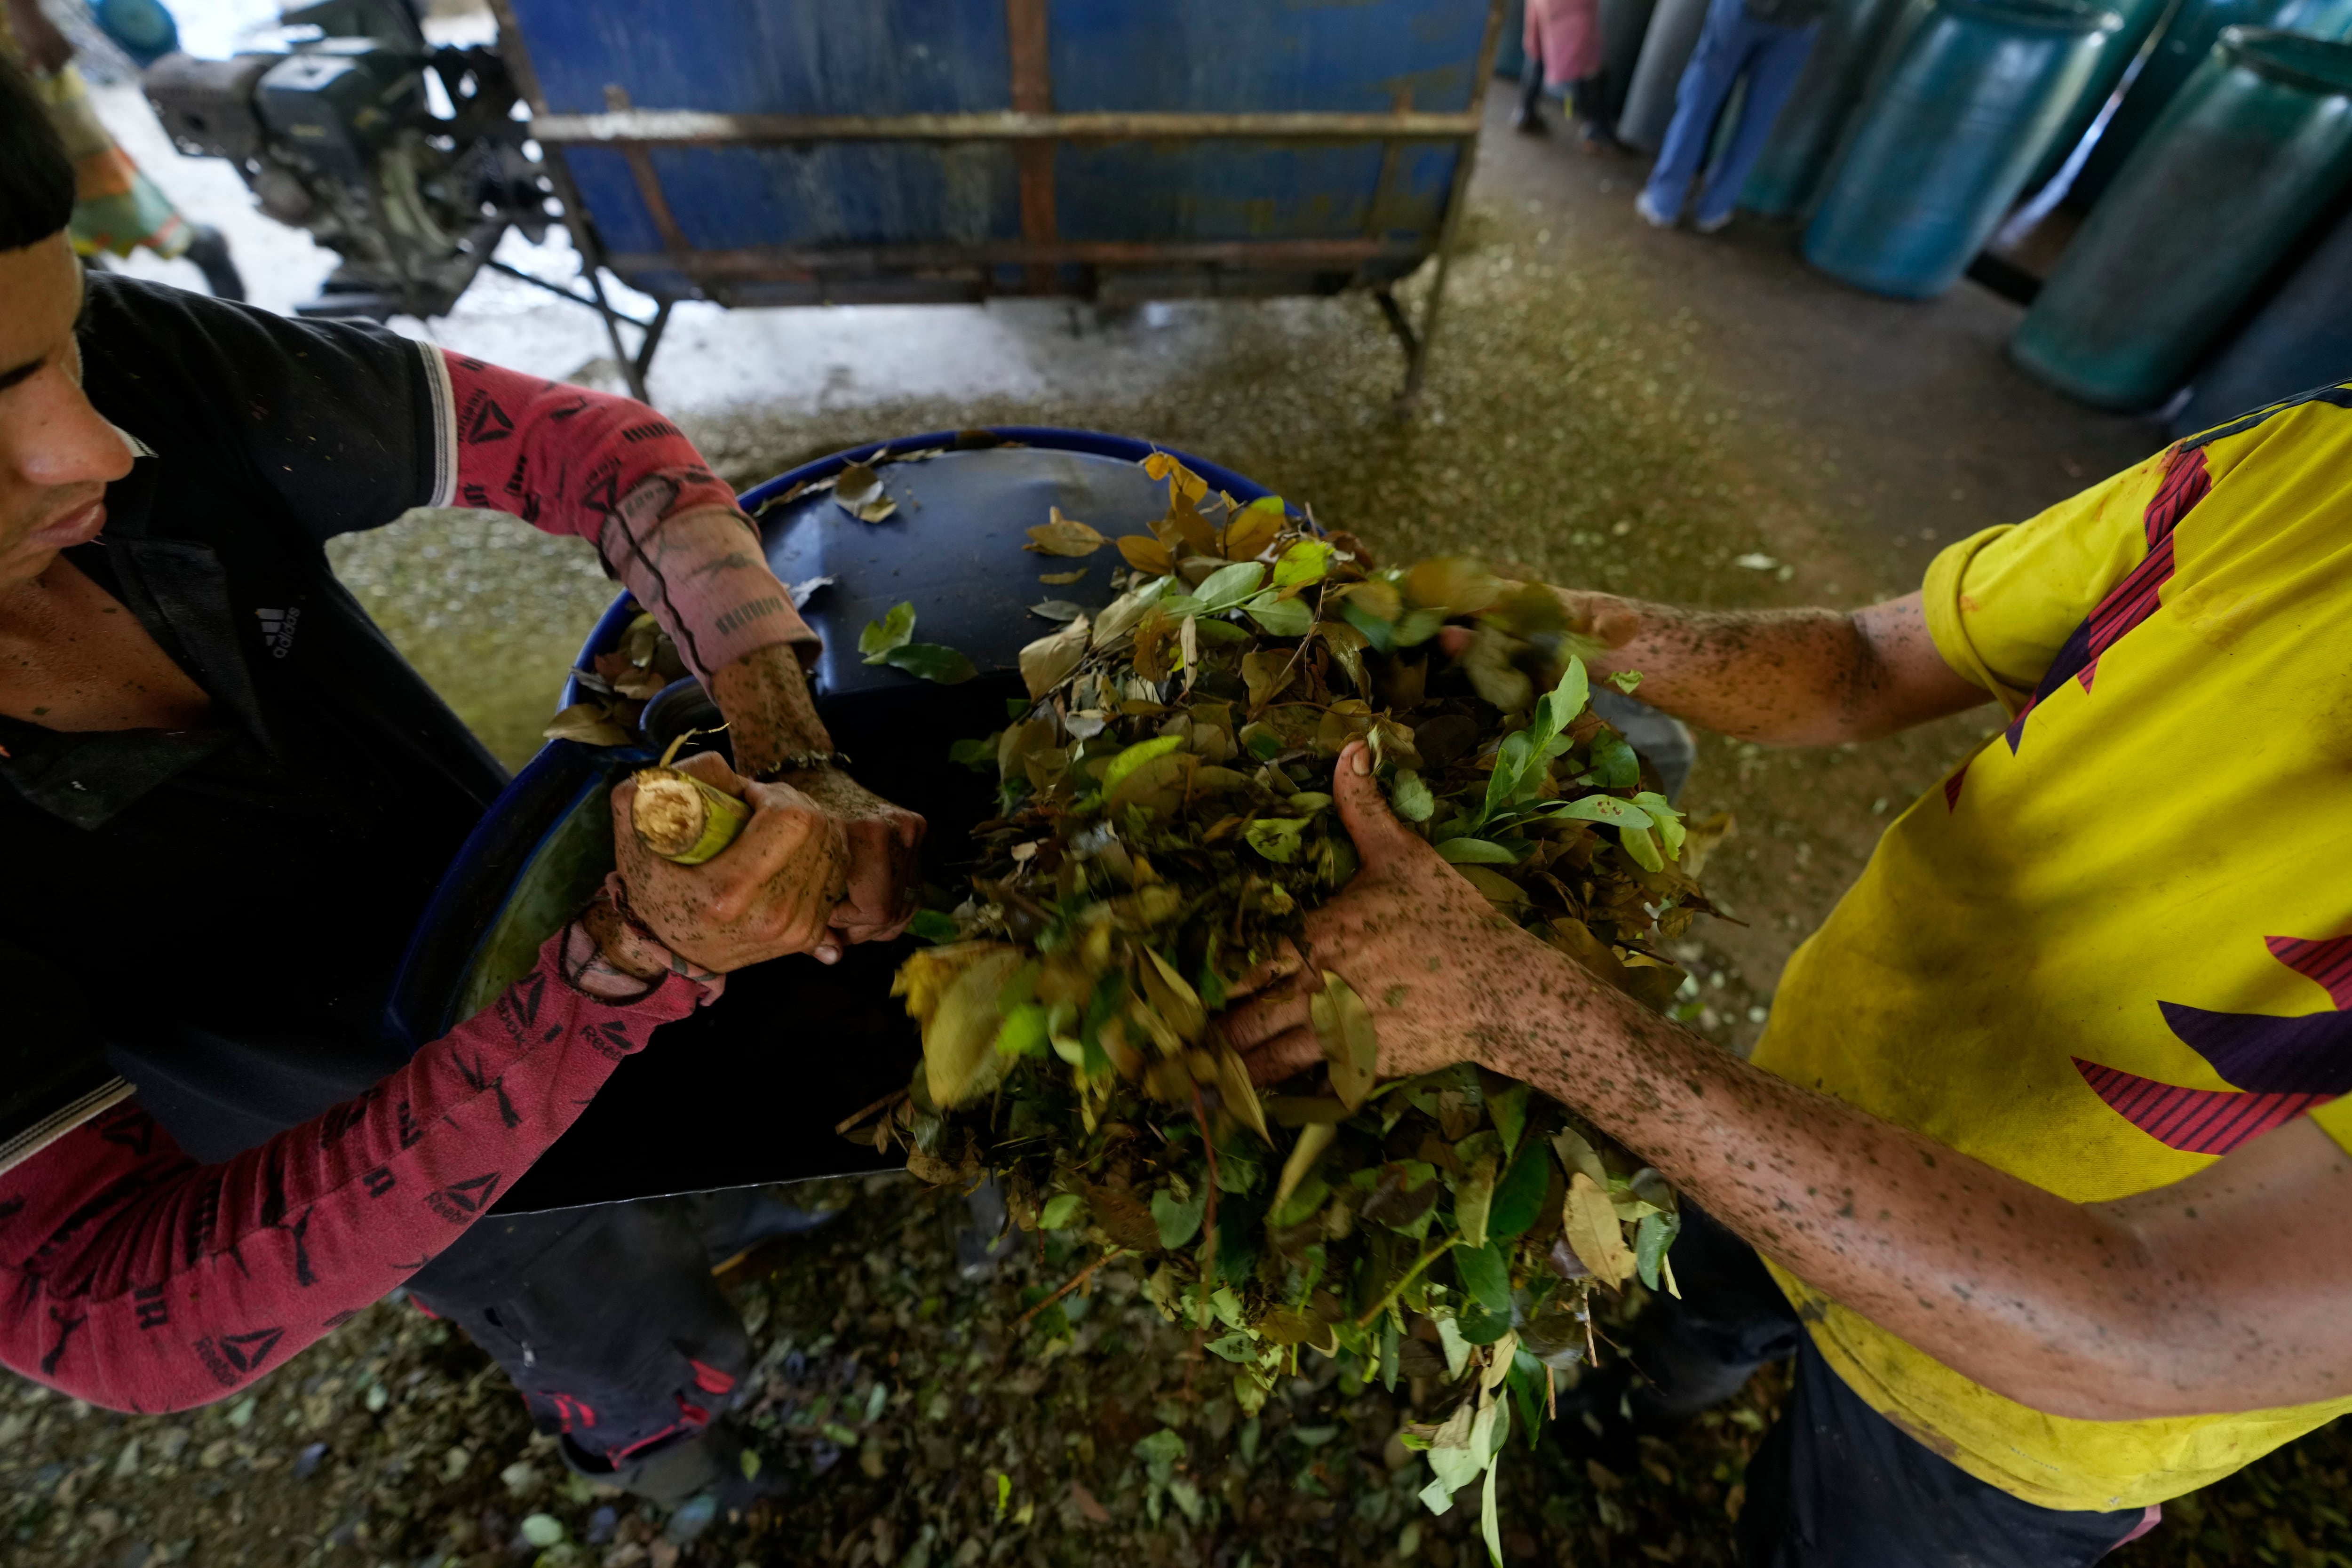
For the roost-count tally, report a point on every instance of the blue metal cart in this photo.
(822, 152)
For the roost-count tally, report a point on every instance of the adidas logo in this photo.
(278, 630)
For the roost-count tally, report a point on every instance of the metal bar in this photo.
(649, 191)
(796, 261)
(1417, 358)
(1033, 94)
(1399, 323)
(560, 291)
(644, 363)
(622, 358)
(684, 127)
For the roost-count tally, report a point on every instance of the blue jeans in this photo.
(1733, 44)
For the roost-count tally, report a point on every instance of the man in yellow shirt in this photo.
(2044, 1143)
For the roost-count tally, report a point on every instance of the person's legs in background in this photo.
(615, 1333)
(1715, 64)
(1776, 58)
(1834, 1484)
(1527, 119)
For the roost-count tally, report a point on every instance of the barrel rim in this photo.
(2047, 16)
(2297, 59)
(607, 630)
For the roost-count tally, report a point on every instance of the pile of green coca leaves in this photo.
(1166, 819)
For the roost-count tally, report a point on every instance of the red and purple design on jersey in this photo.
(2281, 1067)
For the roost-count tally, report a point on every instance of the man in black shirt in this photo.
(226, 800)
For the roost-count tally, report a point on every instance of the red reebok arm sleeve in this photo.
(611, 470)
(135, 1278)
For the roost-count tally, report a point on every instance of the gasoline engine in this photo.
(339, 136)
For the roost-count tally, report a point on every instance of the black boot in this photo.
(209, 250)
(1527, 119)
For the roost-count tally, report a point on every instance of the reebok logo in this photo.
(233, 1357)
(277, 629)
(462, 1202)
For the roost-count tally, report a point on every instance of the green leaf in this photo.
(1026, 1032)
(893, 631)
(1650, 1239)
(1475, 852)
(1486, 1276)
(934, 925)
(1235, 1346)
(1508, 1111)
(1380, 634)
(1510, 762)
(1606, 809)
(1229, 585)
(1643, 848)
(1179, 1219)
(1614, 765)
(1519, 1196)
(979, 755)
(1142, 751)
(1626, 680)
(544, 1528)
(1276, 837)
(932, 661)
(1305, 562)
(1669, 821)
(1062, 1211)
(1489, 1522)
(1410, 798)
(1280, 617)
(1417, 626)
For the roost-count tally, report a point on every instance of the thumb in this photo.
(1379, 838)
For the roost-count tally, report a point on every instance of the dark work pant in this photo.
(1834, 1484)
(606, 1319)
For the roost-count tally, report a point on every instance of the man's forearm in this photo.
(1800, 677)
(2068, 1309)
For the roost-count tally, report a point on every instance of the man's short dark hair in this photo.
(36, 179)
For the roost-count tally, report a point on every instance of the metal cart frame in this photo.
(850, 274)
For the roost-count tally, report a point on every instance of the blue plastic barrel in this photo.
(1624, 28)
(2301, 338)
(2141, 17)
(2248, 153)
(748, 1091)
(1941, 151)
(2186, 42)
(1667, 48)
(1853, 37)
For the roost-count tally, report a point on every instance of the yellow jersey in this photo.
(2116, 942)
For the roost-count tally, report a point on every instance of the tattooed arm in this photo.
(135, 1278)
(611, 470)
(1792, 677)
(2178, 1301)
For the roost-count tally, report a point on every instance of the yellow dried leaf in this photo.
(1172, 997)
(1474, 1195)
(590, 724)
(1248, 533)
(1048, 661)
(1063, 536)
(1061, 579)
(952, 991)
(1350, 1045)
(1458, 585)
(1188, 484)
(1313, 1139)
(1591, 1220)
(1265, 673)
(1146, 553)
(1240, 1094)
